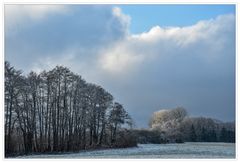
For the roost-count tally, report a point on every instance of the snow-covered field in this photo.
(175, 151)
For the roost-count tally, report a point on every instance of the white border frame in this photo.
(192, 2)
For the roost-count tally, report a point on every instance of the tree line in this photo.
(175, 126)
(57, 110)
(201, 129)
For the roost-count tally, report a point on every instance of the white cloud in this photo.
(75, 32)
(205, 39)
(32, 11)
(190, 34)
(23, 15)
(118, 60)
(104, 41)
(48, 63)
(124, 19)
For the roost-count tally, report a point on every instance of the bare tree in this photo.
(13, 84)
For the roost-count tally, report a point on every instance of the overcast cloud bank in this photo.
(165, 67)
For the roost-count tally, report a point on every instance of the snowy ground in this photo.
(175, 151)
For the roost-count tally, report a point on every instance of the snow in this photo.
(174, 151)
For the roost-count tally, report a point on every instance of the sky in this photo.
(149, 57)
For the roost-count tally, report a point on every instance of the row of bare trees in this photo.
(58, 111)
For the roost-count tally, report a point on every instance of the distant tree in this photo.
(169, 122)
(203, 136)
(193, 134)
(176, 125)
(167, 119)
(223, 135)
(212, 136)
(227, 135)
(231, 136)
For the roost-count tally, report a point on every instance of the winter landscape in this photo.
(119, 81)
(151, 151)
